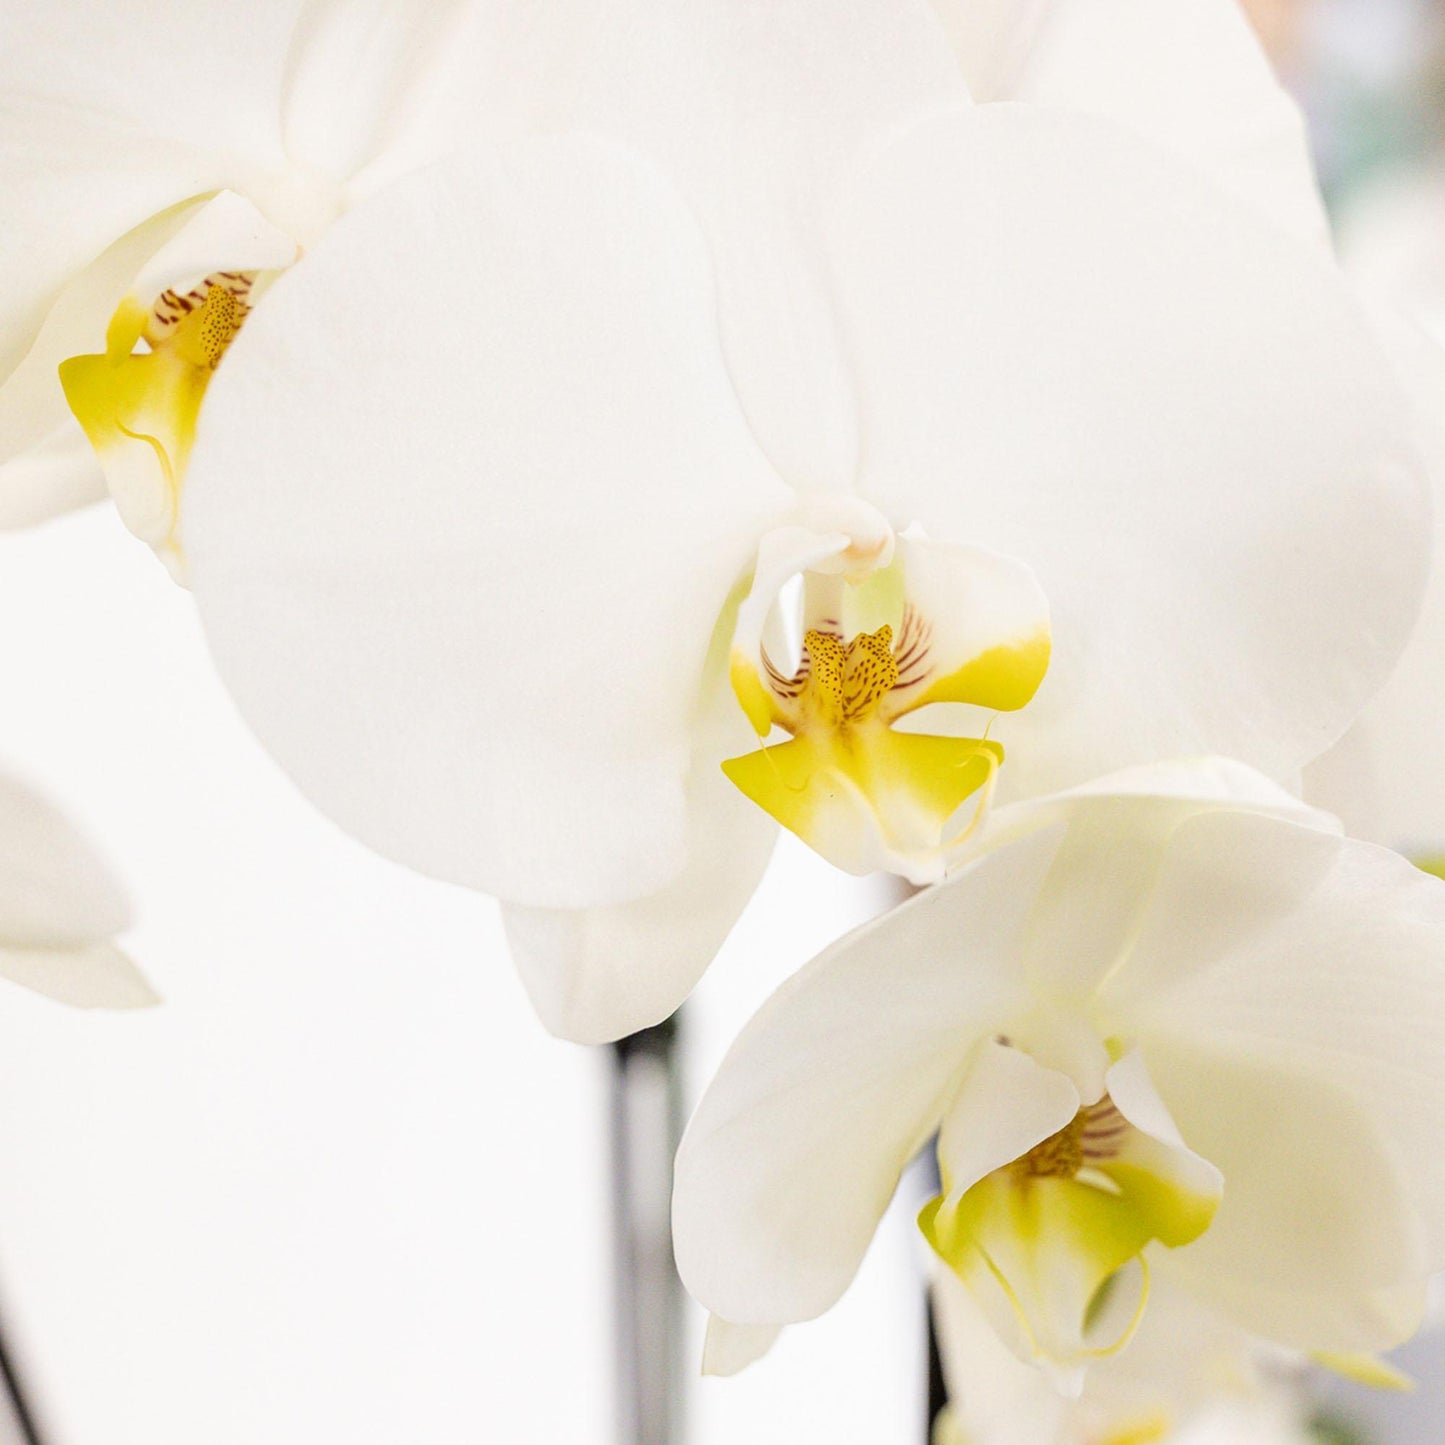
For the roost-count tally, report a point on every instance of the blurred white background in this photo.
(341, 1187)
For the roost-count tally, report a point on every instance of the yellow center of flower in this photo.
(139, 400)
(1053, 1244)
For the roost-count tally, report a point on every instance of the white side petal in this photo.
(601, 973)
(1381, 777)
(1117, 830)
(1177, 419)
(1316, 1243)
(97, 975)
(838, 1080)
(112, 114)
(1276, 953)
(1191, 77)
(728, 1349)
(460, 537)
(56, 892)
(760, 111)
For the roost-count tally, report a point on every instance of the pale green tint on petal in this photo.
(729, 1349)
(760, 112)
(1320, 954)
(1316, 1244)
(836, 1082)
(1178, 501)
(476, 640)
(1189, 77)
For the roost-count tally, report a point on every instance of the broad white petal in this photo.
(1382, 776)
(761, 111)
(838, 1080)
(601, 973)
(1177, 419)
(1117, 830)
(1274, 950)
(1190, 77)
(1315, 1244)
(56, 892)
(94, 975)
(461, 537)
(728, 1349)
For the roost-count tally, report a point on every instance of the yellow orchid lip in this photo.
(1059, 1235)
(934, 624)
(139, 408)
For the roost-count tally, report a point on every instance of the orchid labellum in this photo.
(1154, 1033)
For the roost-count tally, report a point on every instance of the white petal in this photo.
(838, 1080)
(56, 892)
(760, 111)
(1315, 1244)
(1274, 952)
(1189, 76)
(1008, 1103)
(602, 973)
(476, 638)
(1073, 352)
(992, 40)
(729, 1349)
(1118, 827)
(56, 475)
(1382, 777)
(97, 975)
(110, 115)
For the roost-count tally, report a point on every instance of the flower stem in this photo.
(646, 1119)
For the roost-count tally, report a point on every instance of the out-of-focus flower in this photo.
(60, 911)
(483, 603)
(158, 169)
(1155, 1032)
(1383, 778)
(1184, 1374)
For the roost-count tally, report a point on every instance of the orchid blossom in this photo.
(1170, 1024)
(797, 445)
(512, 641)
(159, 171)
(60, 910)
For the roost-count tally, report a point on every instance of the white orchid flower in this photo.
(60, 910)
(980, 377)
(1187, 1375)
(160, 168)
(1156, 1032)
